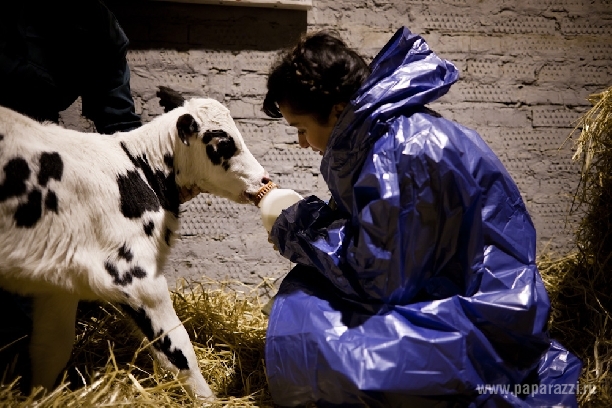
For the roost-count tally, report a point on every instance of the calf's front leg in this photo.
(154, 314)
(53, 332)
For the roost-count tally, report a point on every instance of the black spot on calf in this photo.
(213, 155)
(1, 137)
(149, 228)
(163, 343)
(16, 173)
(227, 148)
(51, 167)
(137, 272)
(210, 134)
(136, 196)
(28, 213)
(168, 192)
(163, 184)
(169, 161)
(223, 150)
(51, 202)
(113, 271)
(167, 236)
(176, 356)
(125, 253)
(128, 277)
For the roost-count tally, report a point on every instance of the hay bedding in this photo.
(580, 283)
(228, 327)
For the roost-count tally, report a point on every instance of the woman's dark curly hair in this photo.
(318, 73)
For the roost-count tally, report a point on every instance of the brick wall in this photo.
(527, 68)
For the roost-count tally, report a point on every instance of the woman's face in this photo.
(311, 133)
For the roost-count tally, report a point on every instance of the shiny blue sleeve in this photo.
(311, 233)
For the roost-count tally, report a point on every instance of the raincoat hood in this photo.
(406, 75)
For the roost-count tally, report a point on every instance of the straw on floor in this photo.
(227, 328)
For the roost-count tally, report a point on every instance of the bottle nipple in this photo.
(261, 193)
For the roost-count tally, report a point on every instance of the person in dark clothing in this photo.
(52, 53)
(416, 284)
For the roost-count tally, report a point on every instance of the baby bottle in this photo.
(273, 200)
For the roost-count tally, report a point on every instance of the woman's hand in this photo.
(273, 244)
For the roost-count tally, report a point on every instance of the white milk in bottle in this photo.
(273, 201)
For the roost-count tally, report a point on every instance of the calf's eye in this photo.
(210, 134)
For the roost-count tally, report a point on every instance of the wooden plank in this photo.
(284, 4)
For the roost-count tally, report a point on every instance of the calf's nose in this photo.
(266, 178)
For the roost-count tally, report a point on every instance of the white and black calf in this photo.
(93, 217)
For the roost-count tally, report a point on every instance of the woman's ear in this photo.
(338, 108)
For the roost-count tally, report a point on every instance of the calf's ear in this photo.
(187, 127)
(169, 98)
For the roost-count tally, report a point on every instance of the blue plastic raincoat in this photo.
(421, 288)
